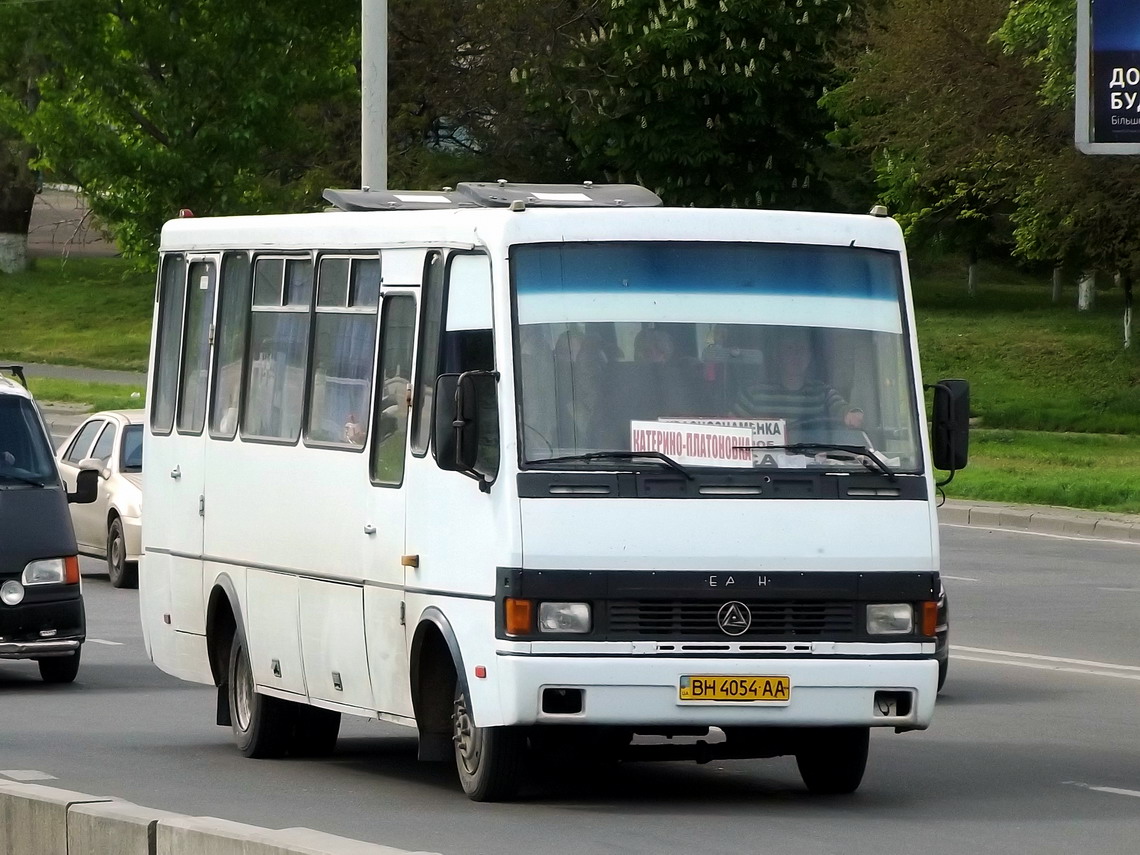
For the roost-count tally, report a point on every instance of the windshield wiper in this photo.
(655, 456)
(23, 479)
(860, 452)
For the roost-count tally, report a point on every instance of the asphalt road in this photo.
(1033, 749)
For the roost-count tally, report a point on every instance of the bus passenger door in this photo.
(175, 455)
(385, 523)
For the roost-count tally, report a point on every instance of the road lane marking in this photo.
(959, 578)
(1116, 791)
(1083, 538)
(26, 775)
(104, 641)
(1121, 590)
(1046, 663)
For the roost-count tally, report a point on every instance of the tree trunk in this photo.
(1058, 280)
(1126, 284)
(1086, 291)
(17, 193)
(972, 276)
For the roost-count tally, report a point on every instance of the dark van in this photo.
(41, 601)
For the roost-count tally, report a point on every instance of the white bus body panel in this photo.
(727, 535)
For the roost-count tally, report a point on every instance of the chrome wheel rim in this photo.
(243, 691)
(468, 738)
(116, 550)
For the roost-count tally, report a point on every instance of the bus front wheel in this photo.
(262, 725)
(832, 760)
(489, 759)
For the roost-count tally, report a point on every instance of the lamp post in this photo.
(374, 94)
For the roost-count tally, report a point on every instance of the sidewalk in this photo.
(1041, 519)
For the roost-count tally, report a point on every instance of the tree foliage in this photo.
(213, 105)
(711, 103)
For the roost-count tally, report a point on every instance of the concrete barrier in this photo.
(112, 828)
(38, 820)
(33, 818)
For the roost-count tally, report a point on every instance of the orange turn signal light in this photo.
(929, 617)
(71, 570)
(519, 616)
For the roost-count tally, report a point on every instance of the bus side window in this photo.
(428, 369)
(229, 356)
(348, 294)
(390, 427)
(278, 347)
(168, 348)
(200, 282)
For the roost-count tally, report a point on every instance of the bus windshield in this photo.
(715, 354)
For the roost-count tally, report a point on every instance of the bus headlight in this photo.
(11, 593)
(564, 617)
(890, 619)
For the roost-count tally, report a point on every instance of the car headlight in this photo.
(51, 571)
(564, 617)
(11, 593)
(890, 619)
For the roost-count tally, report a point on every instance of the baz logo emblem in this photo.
(734, 618)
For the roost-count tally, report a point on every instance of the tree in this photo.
(17, 182)
(453, 113)
(215, 105)
(949, 119)
(709, 103)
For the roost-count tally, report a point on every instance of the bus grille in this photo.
(771, 619)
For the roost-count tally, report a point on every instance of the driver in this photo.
(790, 393)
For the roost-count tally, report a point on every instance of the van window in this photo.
(171, 298)
(24, 450)
(233, 320)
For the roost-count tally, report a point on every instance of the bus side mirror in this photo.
(86, 487)
(950, 444)
(465, 424)
(444, 417)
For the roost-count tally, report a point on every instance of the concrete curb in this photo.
(1041, 519)
(38, 820)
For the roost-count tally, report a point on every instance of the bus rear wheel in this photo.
(489, 759)
(262, 726)
(832, 760)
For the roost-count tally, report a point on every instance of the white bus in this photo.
(546, 468)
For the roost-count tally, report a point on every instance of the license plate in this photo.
(735, 688)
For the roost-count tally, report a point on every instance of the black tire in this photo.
(489, 759)
(832, 760)
(123, 573)
(315, 731)
(60, 669)
(943, 668)
(262, 726)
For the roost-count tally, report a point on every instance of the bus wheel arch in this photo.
(223, 616)
(436, 669)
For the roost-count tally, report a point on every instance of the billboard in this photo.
(1108, 76)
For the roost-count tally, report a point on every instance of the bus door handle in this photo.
(176, 473)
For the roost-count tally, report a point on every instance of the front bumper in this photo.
(644, 691)
(42, 626)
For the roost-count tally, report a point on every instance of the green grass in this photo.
(1055, 397)
(93, 312)
(1032, 365)
(1076, 470)
(96, 396)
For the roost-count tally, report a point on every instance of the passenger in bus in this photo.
(579, 362)
(791, 393)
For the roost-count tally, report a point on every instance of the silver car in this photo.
(111, 526)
